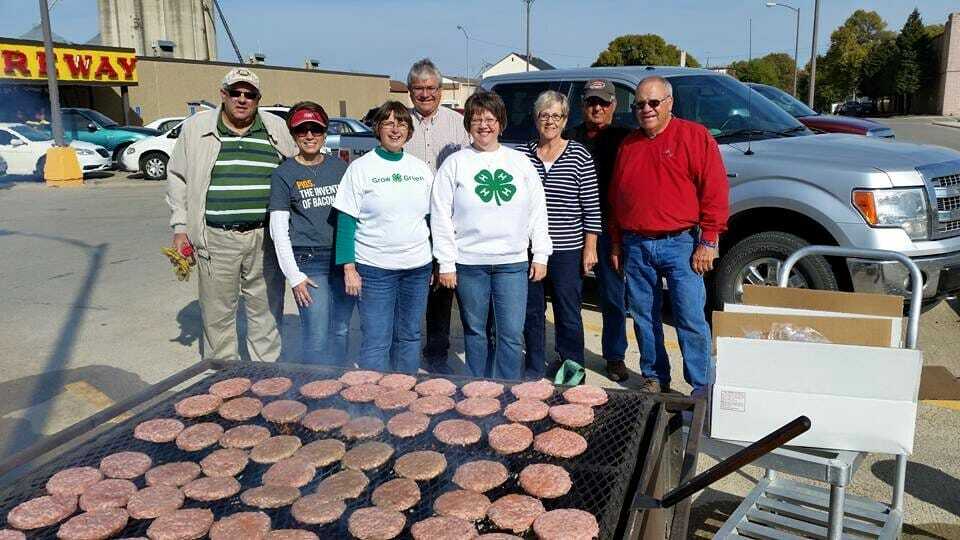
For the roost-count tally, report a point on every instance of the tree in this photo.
(775, 69)
(880, 70)
(850, 45)
(642, 50)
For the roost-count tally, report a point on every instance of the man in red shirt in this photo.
(669, 201)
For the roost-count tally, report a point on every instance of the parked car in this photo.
(91, 126)
(164, 125)
(822, 123)
(790, 188)
(856, 108)
(25, 151)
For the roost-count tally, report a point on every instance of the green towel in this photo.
(570, 373)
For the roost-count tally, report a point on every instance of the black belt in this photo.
(660, 236)
(237, 227)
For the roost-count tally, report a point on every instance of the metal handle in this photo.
(916, 278)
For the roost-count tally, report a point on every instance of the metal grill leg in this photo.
(835, 527)
(899, 482)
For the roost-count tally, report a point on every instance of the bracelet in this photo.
(709, 244)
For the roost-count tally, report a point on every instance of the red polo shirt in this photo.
(672, 182)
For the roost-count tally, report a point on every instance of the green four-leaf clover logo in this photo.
(397, 177)
(497, 186)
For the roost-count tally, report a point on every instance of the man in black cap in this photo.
(602, 138)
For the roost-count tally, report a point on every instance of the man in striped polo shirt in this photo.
(218, 188)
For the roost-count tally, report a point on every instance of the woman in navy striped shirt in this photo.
(573, 207)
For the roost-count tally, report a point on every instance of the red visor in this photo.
(306, 115)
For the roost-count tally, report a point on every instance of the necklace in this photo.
(313, 166)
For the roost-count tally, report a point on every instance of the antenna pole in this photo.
(749, 151)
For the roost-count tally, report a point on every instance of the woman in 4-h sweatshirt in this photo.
(487, 214)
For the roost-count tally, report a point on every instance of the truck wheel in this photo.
(756, 260)
(118, 154)
(154, 166)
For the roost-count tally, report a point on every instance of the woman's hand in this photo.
(538, 271)
(351, 278)
(301, 292)
(589, 259)
(448, 280)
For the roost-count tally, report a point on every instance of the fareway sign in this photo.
(27, 61)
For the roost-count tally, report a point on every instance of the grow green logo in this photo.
(495, 187)
(397, 177)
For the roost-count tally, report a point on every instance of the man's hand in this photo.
(351, 278)
(180, 240)
(703, 258)
(615, 258)
(538, 271)
(448, 279)
(301, 292)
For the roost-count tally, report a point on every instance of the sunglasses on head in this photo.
(249, 94)
(303, 129)
(641, 103)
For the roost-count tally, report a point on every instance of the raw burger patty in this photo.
(586, 394)
(321, 389)
(408, 424)
(376, 523)
(498, 536)
(274, 386)
(360, 376)
(342, 485)
(510, 438)
(432, 405)
(276, 448)
(436, 387)
(283, 411)
(420, 465)
(240, 409)
(270, 496)
(481, 475)
(200, 405)
(109, 493)
(515, 512)
(559, 442)
(173, 474)
(362, 393)
(292, 471)
(290, 534)
(97, 525)
(539, 390)
(152, 502)
(362, 427)
(10, 534)
(159, 430)
(366, 456)
(199, 436)
(395, 399)
(225, 462)
(566, 524)
(572, 415)
(322, 452)
(241, 526)
(482, 389)
(244, 436)
(325, 419)
(463, 504)
(398, 494)
(443, 528)
(317, 510)
(526, 410)
(478, 406)
(398, 381)
(457, 432)
(126, 465)
(187, 524)
(545, 481)
(230, 388)
(74, 481)
(42, 512)
(212, 488)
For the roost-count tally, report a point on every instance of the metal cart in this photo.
(783, 509)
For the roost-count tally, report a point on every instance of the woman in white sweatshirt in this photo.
(487, 214)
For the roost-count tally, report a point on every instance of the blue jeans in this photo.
(392, 304)
(325, 323)
(646, 260)
(498, 291)
(613, 305)
(565, 282)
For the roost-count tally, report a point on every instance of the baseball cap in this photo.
(304, 116)
(239, 75)
(599, 88)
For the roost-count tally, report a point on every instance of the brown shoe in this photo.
(649, 384)
(617, 371)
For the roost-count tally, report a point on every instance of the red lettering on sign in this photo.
(106, 68)
(42, 60)
(15, 61)
(127, 65)
(79, 66)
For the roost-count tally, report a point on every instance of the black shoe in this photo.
(617, 371)
(652, 385)
(438, 366)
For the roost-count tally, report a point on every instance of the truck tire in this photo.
(118, 154)
(154, 165)
(756, 260)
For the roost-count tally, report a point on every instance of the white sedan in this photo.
(165, 124)
(150, 155)
(25, 150)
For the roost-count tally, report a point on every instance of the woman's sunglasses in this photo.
(303, 129)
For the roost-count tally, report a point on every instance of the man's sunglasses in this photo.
(592, 102)
(653, 103)
(253, 96)
(303, 129)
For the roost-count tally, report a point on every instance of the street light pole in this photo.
(464, 30)
(528, 2)
(56, 119)
(813, 54)
(796, 42)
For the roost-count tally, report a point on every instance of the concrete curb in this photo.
(954, 124)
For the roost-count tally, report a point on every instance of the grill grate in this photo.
(948, 226)
(603, 478)
(947, 181)
(948, 203)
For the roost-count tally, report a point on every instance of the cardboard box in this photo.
(895, 323)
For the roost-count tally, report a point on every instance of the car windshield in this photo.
(726, 107)
(785, 101)
(32, 134)
(99, 118)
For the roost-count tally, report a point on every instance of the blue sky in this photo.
(386, 36)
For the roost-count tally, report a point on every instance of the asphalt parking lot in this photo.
(93, 314)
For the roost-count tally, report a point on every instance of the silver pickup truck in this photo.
(790, 188)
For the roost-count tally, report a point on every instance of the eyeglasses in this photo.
(391, 125)
(639, 105)
(424, 89)
(555, 117)
(594, 102)
(251, 95)
(303, 129)
(484, 121)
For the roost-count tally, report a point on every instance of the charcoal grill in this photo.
(611, 480)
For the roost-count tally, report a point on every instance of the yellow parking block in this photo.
(94, 397)
(943, 403)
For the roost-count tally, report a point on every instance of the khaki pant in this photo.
(241, 263)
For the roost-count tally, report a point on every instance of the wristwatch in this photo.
(709, 244)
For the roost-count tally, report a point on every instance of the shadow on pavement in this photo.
(191, 327)
(926, 483)
(710, 511)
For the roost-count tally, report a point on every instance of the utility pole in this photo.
(796, 42)
(813, 54)
(528, 2)
(466, 72)
(56, 119)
